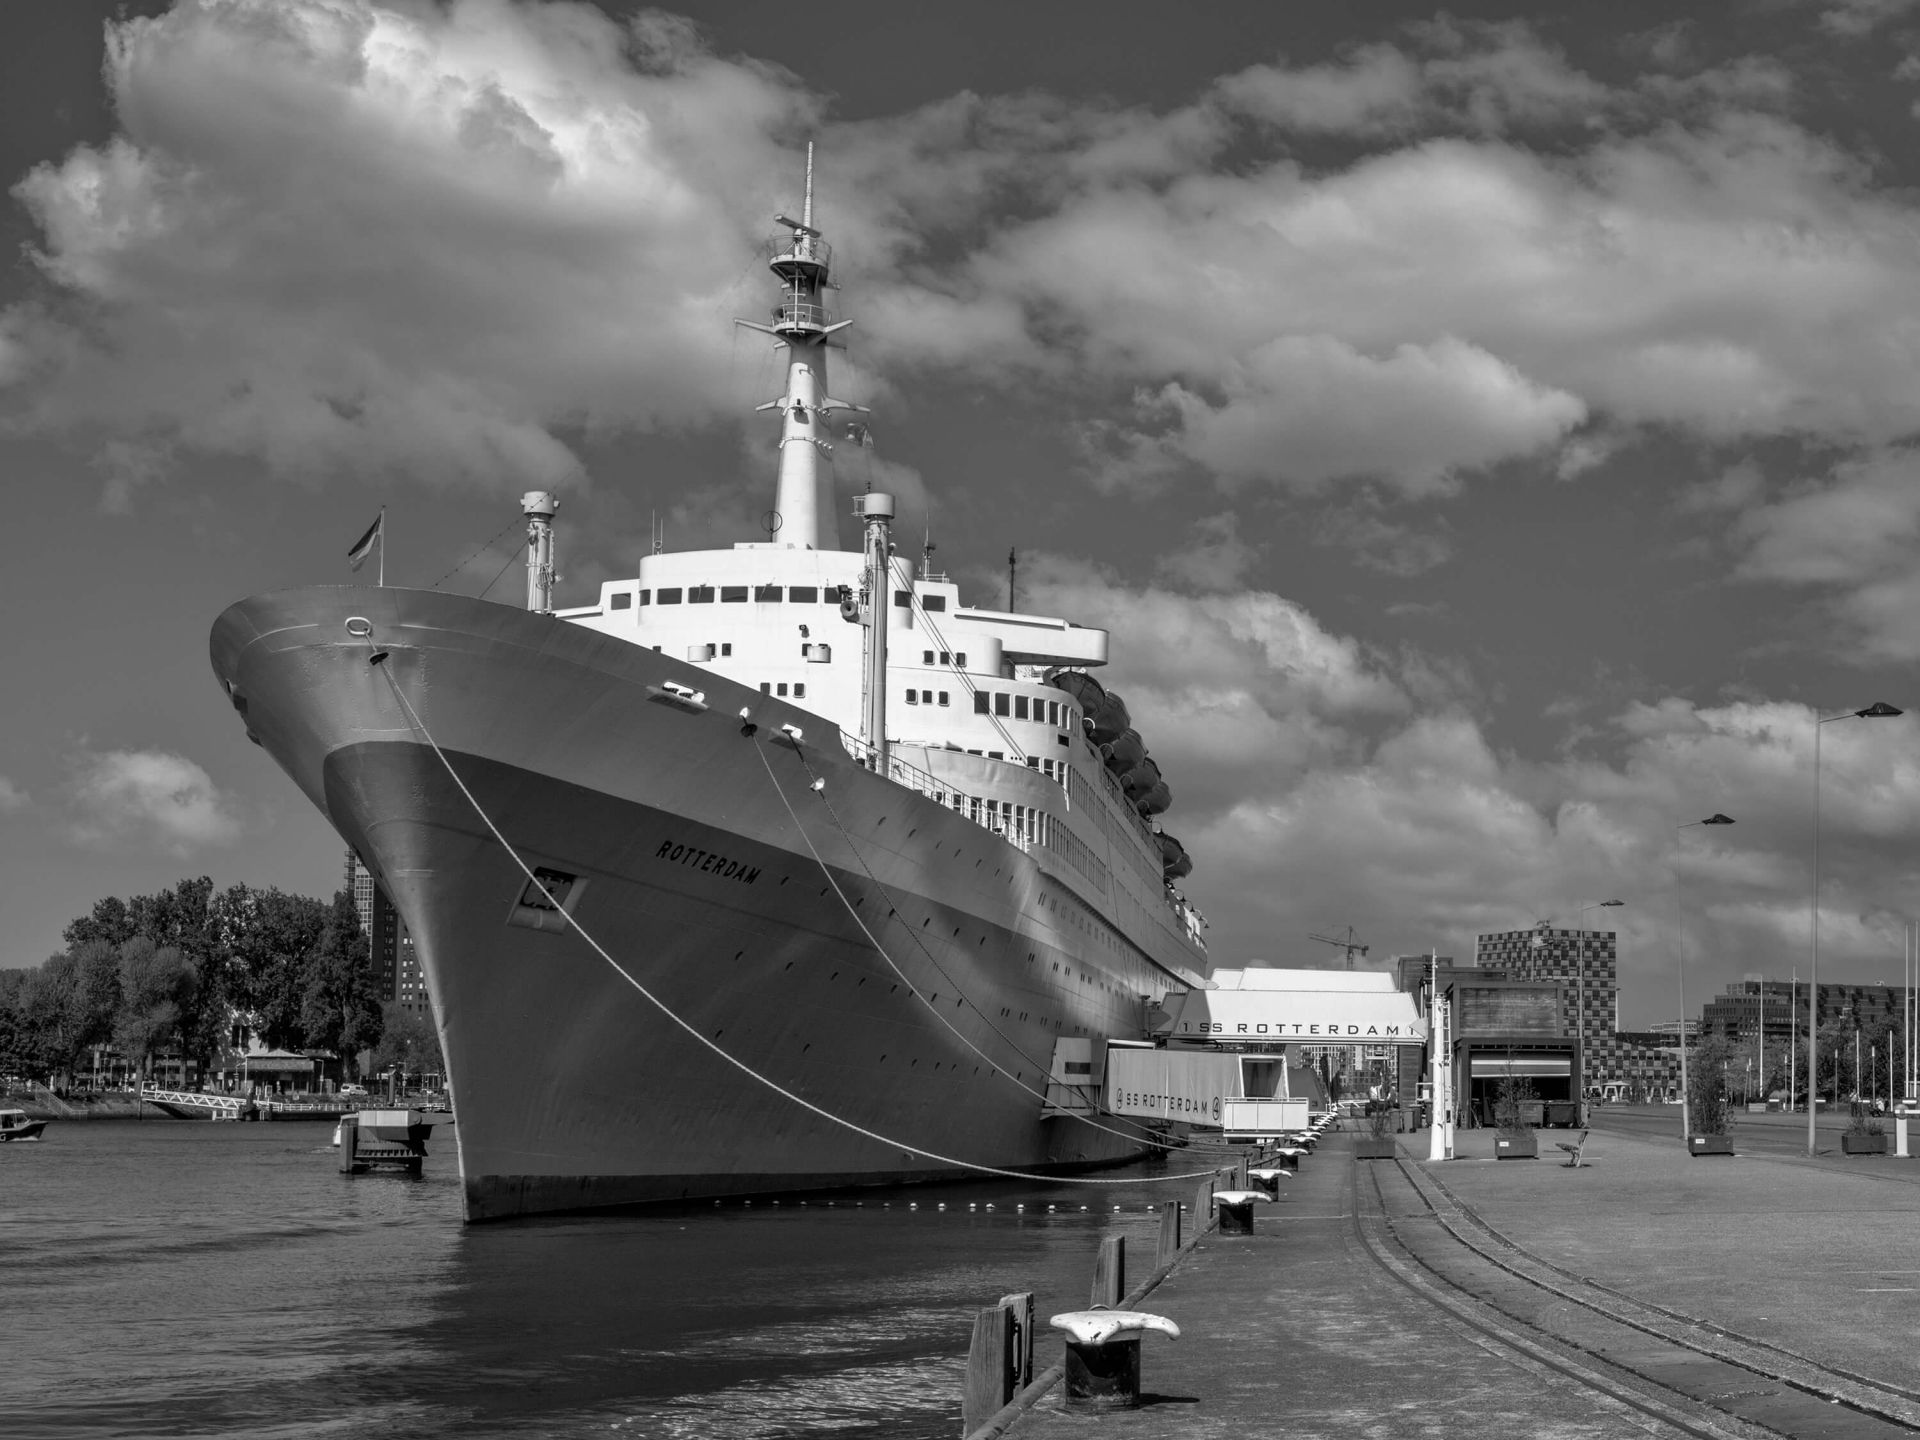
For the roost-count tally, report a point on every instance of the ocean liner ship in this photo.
(777, 868)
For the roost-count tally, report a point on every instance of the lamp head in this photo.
(1718, 820)
(1879, 710)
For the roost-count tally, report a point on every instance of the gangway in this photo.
(223, 1107)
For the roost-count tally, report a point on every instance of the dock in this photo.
(1646, 1292)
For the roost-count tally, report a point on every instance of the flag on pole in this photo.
(364, 545)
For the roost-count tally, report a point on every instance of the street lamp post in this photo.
(1879, 710)
(1680, 951)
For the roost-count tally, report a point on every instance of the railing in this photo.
(972, 807)
(801, 312)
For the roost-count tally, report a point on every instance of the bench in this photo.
(1573, 1151)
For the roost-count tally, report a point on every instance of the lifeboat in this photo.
(1110, 721)
(1126, 752)
(1174, 860)
(1154, 799)
(1085, 691)
(1140, 779)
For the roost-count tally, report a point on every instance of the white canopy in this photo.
(1310, 1006)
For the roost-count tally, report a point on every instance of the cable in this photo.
(738, 1064)
(475, 556)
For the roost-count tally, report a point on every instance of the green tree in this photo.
(408, 1043)
(261, 942)
(157, 989)
(339, 1007)
(1708, 1109)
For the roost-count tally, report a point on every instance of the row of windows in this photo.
(958, 657)
(799, 689)
(760, 595)
(1023, 707)
(924, 697)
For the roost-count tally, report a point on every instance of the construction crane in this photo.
(1350, 945)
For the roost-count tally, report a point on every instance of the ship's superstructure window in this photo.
(726, 647)
(765, 593)
(903, 598)
(733, 594)
(803, 594)
(1019, 707)
(799, 689)
(781, 688)
(1000, 705)
(944, 657)
(980, 702)
(623, 601)
(669, 594)
(943, 697)
(766, 687)
(646, 597)
(699, 594)
(960, 659)
(926, 657)
(913, 697)
(933, 602)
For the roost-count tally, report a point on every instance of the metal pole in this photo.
(1813, 975)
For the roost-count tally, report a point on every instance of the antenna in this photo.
(806, 212)
(1012, 569)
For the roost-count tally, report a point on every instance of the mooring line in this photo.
(892, 965)
(737, 1063)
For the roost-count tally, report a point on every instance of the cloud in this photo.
(1213, 558)
(446, 242)
(1854, 536)
(1377, 543)
(122, 798)
(1854, 19)
(1316, 780)
(400, 240)
(12, 798)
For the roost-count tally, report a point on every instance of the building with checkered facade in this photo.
(396, 969)
(1586, 964)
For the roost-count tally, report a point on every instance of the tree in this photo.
(339, 1008)
(1708, 1112)
(261, 941)
(157, 989)
(408, 1043)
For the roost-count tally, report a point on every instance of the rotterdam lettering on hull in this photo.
(1219, 1027)
(707, 861)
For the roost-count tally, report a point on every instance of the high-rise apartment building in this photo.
(396, 968)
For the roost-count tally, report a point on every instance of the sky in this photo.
(1489, 433)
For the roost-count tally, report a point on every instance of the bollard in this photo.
(1102, 1369)
(1109, 1273)
(1169, 1233)
(1202, 1207)
(1236, 1209)
(1268, 1178)
(1900, 1131)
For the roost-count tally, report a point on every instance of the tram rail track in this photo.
(1699, 1378)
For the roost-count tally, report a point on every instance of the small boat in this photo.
(14, 1125)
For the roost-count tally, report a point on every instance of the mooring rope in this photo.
(733, 1060)
(881, 950)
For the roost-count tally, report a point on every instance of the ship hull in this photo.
(785, 987)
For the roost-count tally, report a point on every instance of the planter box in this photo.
(1710, 1145)
(1852, 1144)
(1517, 1147)
(1367, 1148)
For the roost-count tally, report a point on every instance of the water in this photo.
(182, 1278)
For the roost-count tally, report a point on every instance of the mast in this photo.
(539, 507)
(877, 581)
(803, 498)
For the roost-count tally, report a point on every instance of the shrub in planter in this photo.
(1865, 1135)
(1378, 1142)
(1513, 1106)
(1709, 1113)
